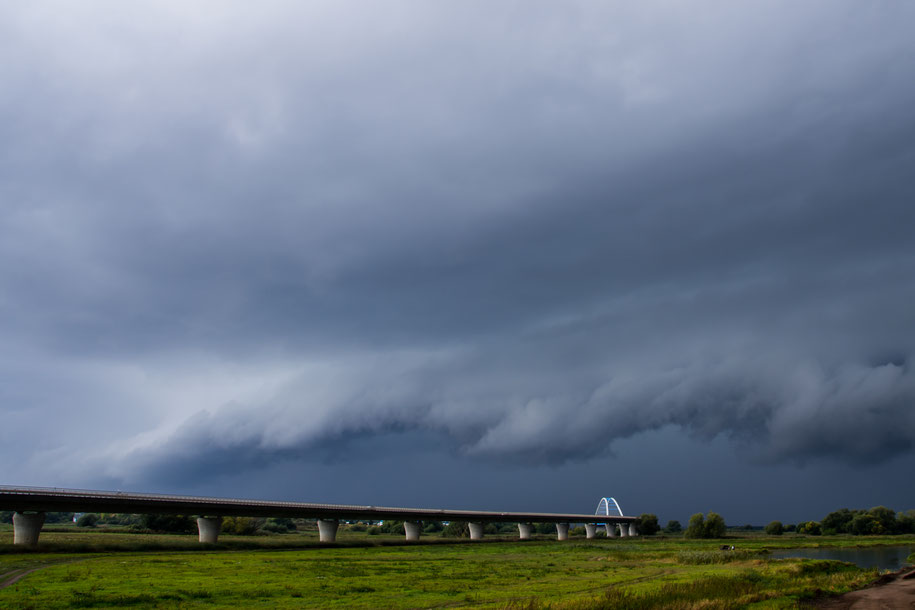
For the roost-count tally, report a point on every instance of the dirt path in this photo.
(890, 591)
(15, 576)
(10, 578)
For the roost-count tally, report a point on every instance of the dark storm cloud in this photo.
(239, 236)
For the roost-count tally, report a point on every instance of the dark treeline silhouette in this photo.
(877, 521)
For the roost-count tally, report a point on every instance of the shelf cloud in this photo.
(237, 235)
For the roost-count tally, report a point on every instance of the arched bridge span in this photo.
(30, 504)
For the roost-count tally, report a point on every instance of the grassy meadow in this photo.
(112, 569)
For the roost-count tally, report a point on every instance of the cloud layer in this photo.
(238, 235)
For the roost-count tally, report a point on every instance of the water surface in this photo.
(881, 557)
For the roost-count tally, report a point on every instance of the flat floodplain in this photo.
(579, 573)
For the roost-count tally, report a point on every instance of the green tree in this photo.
(906, 522)
(863, 524)
(391, 526)
(775, 528)
(87, 520)
(673, 527)
(62, 518)
(837, 522)
(884, 520)
(696, 526)
(280, 525)
(172, 524)
(811, 528)
(711, 525)
(715, 526)
(647, 524)
(456, 529)
(240, 526)
(545, 528)
(432, 527)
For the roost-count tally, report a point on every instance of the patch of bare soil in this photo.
(13, 577)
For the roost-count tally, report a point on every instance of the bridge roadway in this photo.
(30, 504)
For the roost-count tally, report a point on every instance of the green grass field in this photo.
(131, 570)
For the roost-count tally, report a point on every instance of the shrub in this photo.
(240, 526)
(87, 520)
(456, 529)
(647, 524)
(545, 528)
(811, 528)
(715, 526)
(775, 528)
(506, 527)
(711, 525)
(62, 518)
(708, 557)
(392, 527)
(170, 524)
(673, 527)
(279, 525)
(696, 527)
(433, 526)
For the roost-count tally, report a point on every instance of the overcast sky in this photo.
(497, 255)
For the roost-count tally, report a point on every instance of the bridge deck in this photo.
(77, 500)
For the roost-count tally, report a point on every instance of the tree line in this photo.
(876, 521)
(165, 523)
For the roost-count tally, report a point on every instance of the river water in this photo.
(881, 557)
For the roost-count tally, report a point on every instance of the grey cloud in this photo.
(279, 231)
(772, 409)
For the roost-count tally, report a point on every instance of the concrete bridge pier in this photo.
(624, 531)
(327, 530)
(590, 530)
(562, 531)
(524, 530)
(27, 527)
(412, 529)
(476, 530)
(610, 528)
(208, 529)
(632, 530)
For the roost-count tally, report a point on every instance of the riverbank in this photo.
(895, 590)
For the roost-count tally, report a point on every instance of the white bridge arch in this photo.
(603, 508)
(609, 507)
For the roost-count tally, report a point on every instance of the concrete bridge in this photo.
(31, 503)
